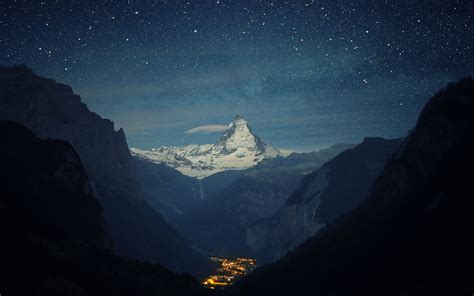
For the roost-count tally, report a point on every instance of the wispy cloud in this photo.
(206, 129)
(212, 79)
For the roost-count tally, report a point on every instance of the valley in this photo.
(236, 148)
(216, 212)
(150, 228)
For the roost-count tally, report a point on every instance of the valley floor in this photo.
(228, 271)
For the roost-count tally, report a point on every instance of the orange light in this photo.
(229, 271)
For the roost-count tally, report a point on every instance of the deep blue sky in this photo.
(305, 74)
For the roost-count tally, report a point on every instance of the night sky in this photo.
(305, 74)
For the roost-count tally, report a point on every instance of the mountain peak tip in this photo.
(239, 117)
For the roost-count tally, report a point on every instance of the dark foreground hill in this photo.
(51, 226)
(413, 236)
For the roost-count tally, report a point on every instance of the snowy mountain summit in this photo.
(238, 148)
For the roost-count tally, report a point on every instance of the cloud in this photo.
(206, 129)
(211, 79)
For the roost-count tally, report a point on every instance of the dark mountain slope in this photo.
(45, 183)
(219, 225)
(216, 183)
(308, 160)
(167, 190)
(51, 227)
(52, 110)
(339, 186)
(414, 235)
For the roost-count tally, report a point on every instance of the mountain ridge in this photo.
(236, 199)
(237, 148)
(52, 110)
(339, 186)
(413, 234)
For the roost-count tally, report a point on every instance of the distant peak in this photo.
(239, 117)
(238, 125)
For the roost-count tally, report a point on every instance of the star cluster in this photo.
(304, 73)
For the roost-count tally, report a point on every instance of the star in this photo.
(298, 60)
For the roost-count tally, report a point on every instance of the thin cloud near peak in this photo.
(206, 129)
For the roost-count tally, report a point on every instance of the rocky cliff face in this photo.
(52, 110)
(336, 188)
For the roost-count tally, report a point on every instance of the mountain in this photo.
(238, 148)
(184, 200)
(339, 186)
(413, 235)
(302, 160)
(52, 110)
(45, 183)
(237, 199)
(166, 190)
(52, 228)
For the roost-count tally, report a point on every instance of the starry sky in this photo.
(304, 73)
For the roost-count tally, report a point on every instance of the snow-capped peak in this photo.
(237, 148)
(239, 135)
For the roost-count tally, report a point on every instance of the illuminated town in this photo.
(229, 272)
